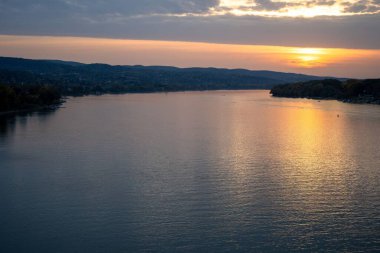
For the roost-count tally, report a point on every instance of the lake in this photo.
(218, 171)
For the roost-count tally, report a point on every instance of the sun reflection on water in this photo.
(316, 159)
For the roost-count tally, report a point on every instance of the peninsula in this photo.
(350, 91)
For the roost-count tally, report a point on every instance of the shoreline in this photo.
(161, 91)
(65, 97)
(34, 109)
(365, 91)
(363, 100)
(359, 101)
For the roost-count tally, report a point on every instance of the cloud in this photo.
(130, 8)
(125, 7)
(270, 5)
(362, 7)
(198, 20)
(296, 8)
(103, 9)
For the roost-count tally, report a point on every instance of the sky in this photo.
(323, 37)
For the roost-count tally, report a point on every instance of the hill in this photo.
(353, 91)
(74, 78)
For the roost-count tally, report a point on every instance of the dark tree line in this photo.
(24, 97)
(356, 91)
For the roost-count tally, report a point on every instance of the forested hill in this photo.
(352, 91)
(28, 97)
(77, 78)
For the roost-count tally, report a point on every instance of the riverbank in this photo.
(33, 109)
(27, 98)
(350, 91)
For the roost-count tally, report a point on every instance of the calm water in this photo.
(226, 171)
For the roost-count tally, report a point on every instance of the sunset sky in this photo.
(322, 37)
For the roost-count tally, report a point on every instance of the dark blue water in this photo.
(191, 172)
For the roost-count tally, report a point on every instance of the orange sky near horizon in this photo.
(352, 63)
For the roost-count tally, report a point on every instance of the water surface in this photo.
(221, 171)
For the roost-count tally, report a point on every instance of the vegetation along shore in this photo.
(17, 98)
(27, 85)
(349, 91)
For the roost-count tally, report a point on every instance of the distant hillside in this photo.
(77, 78)
(353, 91)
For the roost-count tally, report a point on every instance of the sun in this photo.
(309, 51)
(308, 57)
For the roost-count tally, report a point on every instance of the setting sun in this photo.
(310, 51)
(309, 57)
